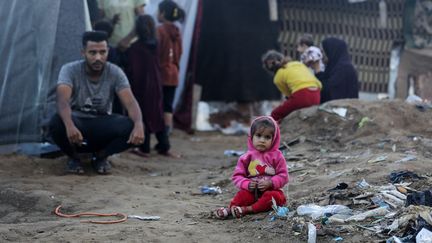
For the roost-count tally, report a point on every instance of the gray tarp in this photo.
(36, 38)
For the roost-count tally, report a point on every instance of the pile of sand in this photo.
(18, 206)
(364, 121)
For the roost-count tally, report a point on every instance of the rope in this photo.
(123, 217)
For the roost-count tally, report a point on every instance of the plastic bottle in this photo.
(316, 211)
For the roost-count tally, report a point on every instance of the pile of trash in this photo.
(394, 212)
(352, 143)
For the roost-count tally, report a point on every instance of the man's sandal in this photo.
(222, 213)
(238, 212)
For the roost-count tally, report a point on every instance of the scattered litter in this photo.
(418, 102)
(340, 186)
(394, 200)
(367, 228)
(211, 190)
(379, 201)
(378, 159)
(363, 184)
(233, 152)
(394, 239)
(340, 111)
(315, 211)
(381, 211)
(312, 234)
(363, 121)
(298, 227)
(409, 157)
(144, 218)
(337, 239)
(413, 99)
(424, 236)
(396, 177)
(420, 198)
(419, 214)
(402, 189)
(338, 218)
(281, 212)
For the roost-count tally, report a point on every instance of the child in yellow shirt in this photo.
(294, 81)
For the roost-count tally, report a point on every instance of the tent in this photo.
(37, 37)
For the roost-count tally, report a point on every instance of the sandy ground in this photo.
(330, 150)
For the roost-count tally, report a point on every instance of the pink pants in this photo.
(300, 99)
(263, 204)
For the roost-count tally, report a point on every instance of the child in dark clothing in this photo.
(339, 80)
(144, 74)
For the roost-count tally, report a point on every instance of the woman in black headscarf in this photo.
(339, 80)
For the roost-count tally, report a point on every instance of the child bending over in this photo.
(260, 173)
(294, 80)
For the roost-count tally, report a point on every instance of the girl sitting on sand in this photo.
(260, 173)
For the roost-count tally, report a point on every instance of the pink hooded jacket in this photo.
(252, 164)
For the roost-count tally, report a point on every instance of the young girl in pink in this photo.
(260, 173)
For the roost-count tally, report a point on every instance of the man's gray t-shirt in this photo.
(92, 98)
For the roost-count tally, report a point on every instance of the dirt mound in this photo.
(18, 206)
(364, 121)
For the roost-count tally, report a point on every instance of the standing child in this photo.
(143, 70)
(310, 54)
(260, 173)
(293, 79)
(170, 43)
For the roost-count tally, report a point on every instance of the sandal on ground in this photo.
(222, 213)
(101, 166)
(170, 154)
(238, 212)
(74, 166)
(137, 151)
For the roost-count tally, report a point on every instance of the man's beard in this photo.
(93, 69)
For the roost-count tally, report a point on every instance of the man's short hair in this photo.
(95, 36)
